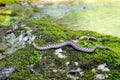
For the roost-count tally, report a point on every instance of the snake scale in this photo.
(67, 43)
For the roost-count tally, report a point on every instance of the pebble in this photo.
(103, 67)
(6, 72)
(59, 50)
(72, 77)
(67, 63)
(76, 63)
(78, 70)
(93, 70)
(21, 37)
(29, 31)
(99, 77)
(15, 25)
(55, 70)
(60, 55)
(25, 39)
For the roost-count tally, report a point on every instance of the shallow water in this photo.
(60, 10)
(99, 17)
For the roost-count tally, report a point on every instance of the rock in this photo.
(76, 63)
(6, 72)
(13, 41)
(72, 73)
(25, 39)
(99, 77)
(67, 63)
(15, 25)
(60, 55)
(72, 77)
(32, 39)
(21, 37)
(93, 70)
(29, 32)
(77, 71)
(58, 52)
(87, 38)
(11, 38)
(55, 71)
(103, 67)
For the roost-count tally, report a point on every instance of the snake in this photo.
(66, 43)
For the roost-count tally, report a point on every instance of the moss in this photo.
(8, 1)
(14, 1)
(46, 62)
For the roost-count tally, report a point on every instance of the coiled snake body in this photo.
(67, 43)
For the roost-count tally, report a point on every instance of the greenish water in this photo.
(99, 17)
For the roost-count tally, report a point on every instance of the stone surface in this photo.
(103, 67)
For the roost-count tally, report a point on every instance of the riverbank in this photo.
(48, 65)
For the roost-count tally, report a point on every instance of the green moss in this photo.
(8, 1)
(14, 1)
(46, 61)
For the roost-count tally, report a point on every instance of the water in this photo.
(60, 10)
(100, 17)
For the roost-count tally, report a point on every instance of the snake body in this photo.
(67, 43)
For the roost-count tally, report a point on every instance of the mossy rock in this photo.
(48, 62)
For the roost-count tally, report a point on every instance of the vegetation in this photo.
(14, 1)
(46, 61)
(8, 1)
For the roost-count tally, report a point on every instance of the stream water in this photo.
(100, 17)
